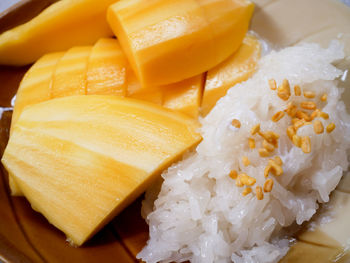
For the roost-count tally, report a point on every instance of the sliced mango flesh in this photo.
(59, 27)
(106, 72)
(80, 160)
(70, 74)
(35, 85)
(185, 96)
(167, 41)
(237, 68)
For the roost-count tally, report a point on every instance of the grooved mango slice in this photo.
(106, 72)
(80, 160)
(61, 26)
(167, 41)
(237, 68)
(70, 74)
(185, 96)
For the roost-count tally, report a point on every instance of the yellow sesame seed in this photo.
(255, 129)
(233, 174)
(251, 143)
(308, 105)
(291, 110)
(296, 140)
(283, 90)
(318, 127)
(268, 146)
(263, 152)
(278, 160)
(324, 115)
(250, 181)
(298, 124)
(259, 193)
(245, 161)
(306, 144)
(330, 127)
(315, 114)
(324, 97)
(297, 90)
(279, 115)
(267, 170)
(309, 94)
(272, 84)
(290, 132)
(239, 182)
(303, 115)
(246, 191)
(275, 168)
(236, 123)
(268, 185)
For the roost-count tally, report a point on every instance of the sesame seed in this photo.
(275, 168)
(279, 115)
(315, 114)
(246, 191)
(308, 105)
(318, 127)
(239, 182)
(309, 94)
(291, 110)
(263, 152)
(324, 115)
(278, 160)
(324, 97)
(297, 90)
(283, 90)
(272, 84)
(303, 115)
(259, 193)
(290, 132)
(306, 144)
(255, 129)
(268, 146)
(267, 171)
(296, 140)
(251, 143)
(233, 174)
(236, 123)
(330, 127)
(268, 185)
(245, 161)
(298, 124)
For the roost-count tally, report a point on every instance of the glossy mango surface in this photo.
(96, 154)
(167, 41)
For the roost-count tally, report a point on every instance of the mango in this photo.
(69, 77)
(59, 27)
(185, 96)
(237, 68)
(167, 41)
(106, 73)
(80, 160)
(34, 88)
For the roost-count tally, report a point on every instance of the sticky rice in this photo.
(201, 215)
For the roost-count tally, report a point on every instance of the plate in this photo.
(26, 236)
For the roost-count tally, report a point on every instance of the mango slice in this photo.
(80, 160)
(70, 74)
(237, 68)
(106, 72)
(167, 41)
(185, 96)
(59, 27)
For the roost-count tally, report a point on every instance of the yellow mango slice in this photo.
(59, 27)
(237, 68)
(167, 41)
(70, 74)
(106, 72)
(185, 96)
(80, 160)
(34, 88)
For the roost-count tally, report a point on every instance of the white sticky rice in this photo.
(200, 214)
